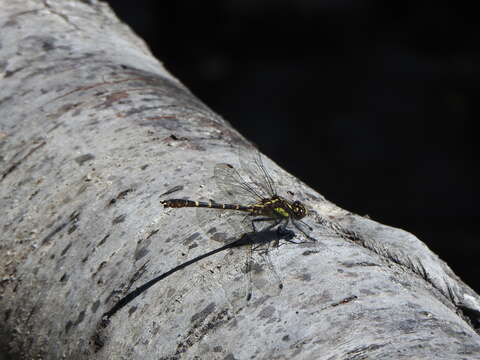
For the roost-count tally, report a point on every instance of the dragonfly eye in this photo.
(299, 210)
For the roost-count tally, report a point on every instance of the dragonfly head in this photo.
(299, 211)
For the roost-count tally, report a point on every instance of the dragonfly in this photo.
(256, 197)
(251, 204)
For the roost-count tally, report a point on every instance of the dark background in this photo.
(370, 102)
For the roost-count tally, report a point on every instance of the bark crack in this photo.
(53, 11)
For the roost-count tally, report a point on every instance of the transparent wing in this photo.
(252, 165)
(255, 270)
(262, 272)
(227, 272)
(303, 228)
(234, 187)
(234, 281)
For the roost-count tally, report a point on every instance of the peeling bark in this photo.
(93, 132)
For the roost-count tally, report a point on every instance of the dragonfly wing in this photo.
(304, 230)
(234, 281)
(262, 272)
(235, 188)
(252, 268)
(252, 165)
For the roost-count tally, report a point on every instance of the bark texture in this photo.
(93, 130)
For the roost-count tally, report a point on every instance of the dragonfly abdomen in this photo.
(179, 203)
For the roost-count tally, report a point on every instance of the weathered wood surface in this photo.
(93, 130)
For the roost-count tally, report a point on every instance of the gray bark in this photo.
(93, 130)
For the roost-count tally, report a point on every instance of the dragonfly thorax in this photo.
(280, 207)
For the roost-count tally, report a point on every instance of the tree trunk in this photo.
(93, 131)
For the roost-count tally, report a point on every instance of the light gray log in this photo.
(93, 130)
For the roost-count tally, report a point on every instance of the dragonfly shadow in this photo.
(258, 241)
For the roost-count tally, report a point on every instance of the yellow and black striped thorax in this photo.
(280, 207)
